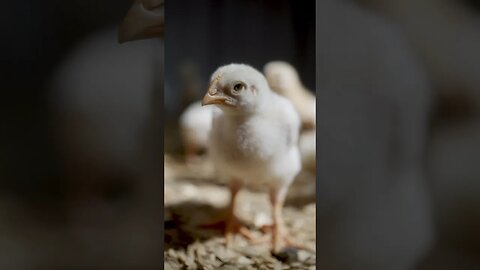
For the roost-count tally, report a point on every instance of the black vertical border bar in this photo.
(318, 167)
(161, 128)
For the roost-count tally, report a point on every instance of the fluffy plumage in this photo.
(260, 135)
(254, 139)
(284, 79)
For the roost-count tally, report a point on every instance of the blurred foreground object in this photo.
(254, 141)
(374, 101)
(145, 19)
(283, 79)
(446, 35)
(104, 99)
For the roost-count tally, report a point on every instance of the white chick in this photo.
(254, 141)
(283, 79)
(195, 126)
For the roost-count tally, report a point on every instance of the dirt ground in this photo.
(193, 197)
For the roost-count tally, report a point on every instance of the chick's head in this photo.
(237, 88)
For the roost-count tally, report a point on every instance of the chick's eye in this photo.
(238, 87)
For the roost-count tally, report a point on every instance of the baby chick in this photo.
(254, 141)
(195, 126)
(284, 79)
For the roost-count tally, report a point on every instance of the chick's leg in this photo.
(233, 224)
(279, 232)
(230, 223)
(280, 236)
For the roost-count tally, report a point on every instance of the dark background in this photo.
(46, 221)
(36, 36)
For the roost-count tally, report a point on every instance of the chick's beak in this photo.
(216, 96)
(209, 99)
(145, 19)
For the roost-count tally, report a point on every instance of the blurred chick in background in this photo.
(195, 126)
(107, 102)
(374, 101)
(195, 122)
(446, 36)
(284, 79)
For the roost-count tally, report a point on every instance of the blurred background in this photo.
(398, 116)
(80, 181)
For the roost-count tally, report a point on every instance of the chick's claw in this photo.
(280, 238)
(233, 227)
